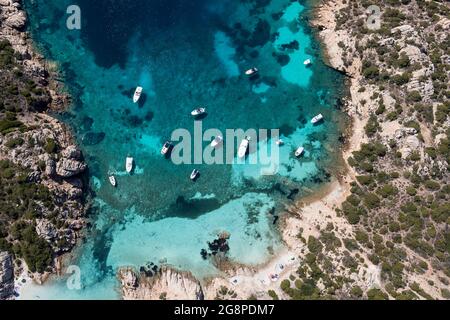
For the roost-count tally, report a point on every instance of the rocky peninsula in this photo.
(42, 184)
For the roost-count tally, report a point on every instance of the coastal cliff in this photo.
(41, 178)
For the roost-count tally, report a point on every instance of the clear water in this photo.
(185, 54)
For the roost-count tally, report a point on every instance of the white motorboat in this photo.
(317, 119)
(112, 180)
(243, 148)
(195, 174)
(166, 148)
(299, 152)
(307, 62)
(279, 142)
(198, 112)
(217, 141)
(129, 164)
(137, 94)
(251, 72)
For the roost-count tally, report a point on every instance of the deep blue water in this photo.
(186, 54)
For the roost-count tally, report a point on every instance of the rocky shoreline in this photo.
(43, 148)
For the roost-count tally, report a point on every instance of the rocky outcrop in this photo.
(168, 283)
(12, 16)
(48, 153)
(46, 230)
(67, 168)
(6, 275)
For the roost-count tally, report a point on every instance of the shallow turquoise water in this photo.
(185, 54)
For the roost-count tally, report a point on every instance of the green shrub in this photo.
(15, 142)
(371, 200)
(413, 124)
(314, 245)
(50, 146)
(370, 71)
(285, 285)
(8, 125)
(387, 190)
(414, 96)
(401, 79)
(411, 191)
(273, 295)
(365, 180)
(376, 294)
(432, 185)
(372, 126)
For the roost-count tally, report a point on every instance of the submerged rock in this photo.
(261, 34)
(282, 59)
(93, 138)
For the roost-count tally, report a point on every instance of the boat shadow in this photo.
(201, 116)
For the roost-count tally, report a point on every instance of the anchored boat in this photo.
(166, 148)
(217, 141)
(243, 148)
(198, 112)
(112, 180)
(195, 174)
(317, 119)
(251, 72)
(137, 94)
(299, 152)
(307, 62)
(129, 164)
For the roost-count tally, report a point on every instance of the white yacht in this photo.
(279, 142)
(251, 72)
(112, 180)
(243, 148)
(198, 112)
(166, 148)
(307, 62)
(299, 152)
(317, 119)
(137, 94)
(129, 164)
(195, 174)
(217, 141)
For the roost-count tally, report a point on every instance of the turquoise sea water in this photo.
(185, 54)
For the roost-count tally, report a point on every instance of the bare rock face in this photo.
(129, 279)
(6, 275)
(71, 163)
(46, 230)
(50, 167)
(72, 152)
(67, 168)
(14, 18)
(168, 283)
